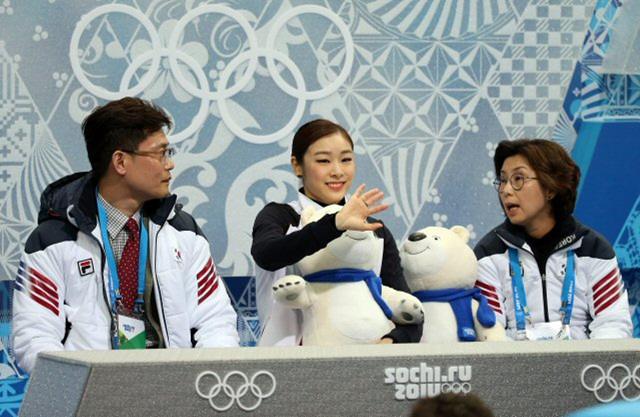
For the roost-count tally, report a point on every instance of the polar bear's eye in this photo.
(436, 238)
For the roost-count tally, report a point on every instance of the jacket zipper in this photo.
(157, 285)
(544, 297)
(113, 320)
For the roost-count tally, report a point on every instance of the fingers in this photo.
(359, 190)
(372, 226)
(378, 208)
(364, 226)
(372, 196)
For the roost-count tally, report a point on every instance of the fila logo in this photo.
(85, 267)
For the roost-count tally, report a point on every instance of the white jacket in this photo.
(601, 306)
(61, 296)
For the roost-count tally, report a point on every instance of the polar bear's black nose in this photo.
(414, 237)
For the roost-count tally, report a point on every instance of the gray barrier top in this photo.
(514, 378)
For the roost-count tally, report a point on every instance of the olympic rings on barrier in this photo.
(223, 90)
(456, 387)
(238, 393)
(617, 385)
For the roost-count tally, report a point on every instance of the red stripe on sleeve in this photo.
(484, 286)
(211, 291)
(608, 303)
(495, 306)
(490, 295)
(600, 283)
(205, 270)
(43, 282)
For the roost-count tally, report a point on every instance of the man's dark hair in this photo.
(120, 125)
(451, 405)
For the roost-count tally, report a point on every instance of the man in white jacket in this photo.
(81, 286)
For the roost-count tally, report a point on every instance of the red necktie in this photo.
(128, 268)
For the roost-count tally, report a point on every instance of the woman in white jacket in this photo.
(546, 275)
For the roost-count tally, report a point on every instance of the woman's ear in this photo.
(297, 167)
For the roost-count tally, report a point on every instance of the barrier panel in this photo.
(514, 378)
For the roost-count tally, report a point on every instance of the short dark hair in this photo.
(311, 131)
(451, 405)
(557, 172)
(120, 124)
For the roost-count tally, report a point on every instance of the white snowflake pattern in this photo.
(6, 8)
(215, 73)
(440, 219)
(491, 148)
(472, 233)
(471, 125)
(488, 178)
(433, 196)
(40, 34)
(60, 78)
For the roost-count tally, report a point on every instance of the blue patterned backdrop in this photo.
(427, 89)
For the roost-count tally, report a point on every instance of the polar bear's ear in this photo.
(462, 232)
(307, 215)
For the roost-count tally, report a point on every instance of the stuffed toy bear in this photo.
(342, 300)
(440, 268)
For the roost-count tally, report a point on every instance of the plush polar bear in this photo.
(440, 268)
(341, 298)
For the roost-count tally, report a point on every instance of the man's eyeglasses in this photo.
(517, 181)
(164, 155)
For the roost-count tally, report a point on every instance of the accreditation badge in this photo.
(131, 332)
(554, 330)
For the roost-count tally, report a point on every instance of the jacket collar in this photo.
(73, 199)
(570, 231)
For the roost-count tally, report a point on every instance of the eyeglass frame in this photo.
(165, 154)
(499, 184)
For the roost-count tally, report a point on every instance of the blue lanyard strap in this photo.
(519, 296)
(114, 281)
(568, 289)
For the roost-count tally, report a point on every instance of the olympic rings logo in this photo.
(456, 388)
(172, 50)
(228, 393)
(617, 380)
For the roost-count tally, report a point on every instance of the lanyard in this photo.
(523, 315)
(568, 289)
(114, 282)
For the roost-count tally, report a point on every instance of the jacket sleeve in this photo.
(38, 312)
(272, 248)
(213, 317)
(608, 300)
(490, 268)
(392, 276)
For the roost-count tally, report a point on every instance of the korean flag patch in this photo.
(177, 254)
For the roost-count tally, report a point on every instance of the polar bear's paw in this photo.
(287, 289)
(408, 311)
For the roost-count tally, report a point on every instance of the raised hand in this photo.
(353, 215)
